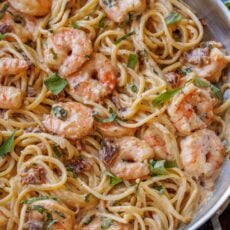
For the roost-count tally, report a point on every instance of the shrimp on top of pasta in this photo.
(108, 114)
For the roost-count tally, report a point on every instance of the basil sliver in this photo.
(55, 83)
(215, 90)
(164, 97)
(114, 180)
(173, 18)
(7, 145)
(132, 61)
(124, 37)
(160, 167)
(106, 223)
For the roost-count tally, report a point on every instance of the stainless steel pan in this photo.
(217, 17)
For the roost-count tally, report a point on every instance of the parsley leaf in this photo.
(173, 18)
(75, 25)
(59, 112)
(114, 180)
(101, 23)
(106, 223)
(203, 84)
(133, 87)
(1, 36)
(124, 37)
(55, 83)
(160, 188)
(55, 56)
(7, 145)
(56, 151)
(160, 167)
(227, 3)
(164, 97)
(132, 61)
(3, 10)
(109, 119)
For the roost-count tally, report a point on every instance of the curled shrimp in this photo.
(127, 157)
(67, 50)
(12, 66)
(207, 62)
(98, 222)
(96, 79)
(32, 7)
(118, 10)
(22, 25)
(10, 97)
(40, 212)
(70, 120)
(191, 109)
(114, 130)
(202, 155)
(161, 140)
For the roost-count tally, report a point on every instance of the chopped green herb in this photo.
(34, 199)
(227, 3)
(7, 145)
(51, 223)
(124, 37)
(185, 71)
(132, 61)
(215, 90)
(59, 112)
(60, 214)
(133, 87)
(87, 219)
(160, 167)
(3, 10)
(164, 97)
(114, 180)
(1, 36)
(101, 23)
(173, 18)
(55, 56)
(56, 151)
(109, 119)
(106, 223)
(38, 208)
(55, 83)
(87, 197)
(108, 3)
(160, 189)
(75, 25)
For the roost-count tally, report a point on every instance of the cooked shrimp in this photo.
(127, 157)
(118, 10)
(161, 140)
(191, 109)
(71, 120)
(98, 222)
(207, 62)
(37, 219)
(22, 25)
(96, 79)
(114, 130)
(32, 7)
(12, 66)
(67, 50)
(10, 97)
(202, 155)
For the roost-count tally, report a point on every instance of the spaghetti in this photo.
(101, 106)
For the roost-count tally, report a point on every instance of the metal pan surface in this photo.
(217, 17)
